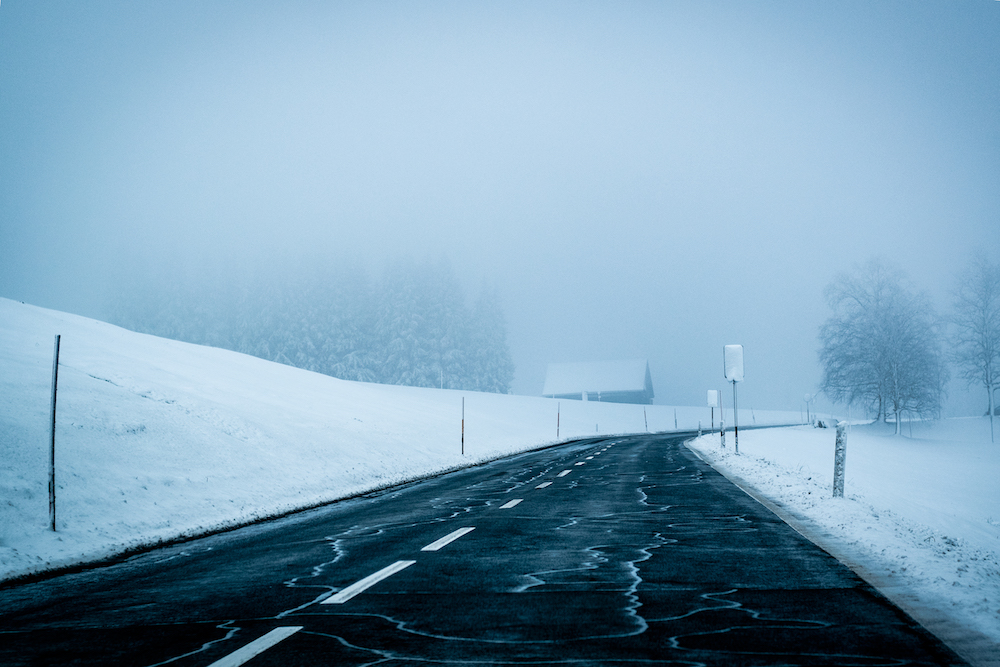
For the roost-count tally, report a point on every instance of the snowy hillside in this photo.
(158, 438)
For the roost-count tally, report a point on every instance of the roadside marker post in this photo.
(736, 420)
(722, 421)
(840, 460)
(713, 402)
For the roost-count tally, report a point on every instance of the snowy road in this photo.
(614, 550)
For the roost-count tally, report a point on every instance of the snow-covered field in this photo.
(921, 512)
(157, 439)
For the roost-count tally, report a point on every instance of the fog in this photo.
(650, 179)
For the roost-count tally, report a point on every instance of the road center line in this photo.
(511, 503)
(580, 463)
(564, 473)
(256, 647)
(543, 485)
(448, 539)
(589, 458)
(366, 583)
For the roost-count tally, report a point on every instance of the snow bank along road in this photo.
(625, 550)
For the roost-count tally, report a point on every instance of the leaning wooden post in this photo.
(52, 439)
(840, 460)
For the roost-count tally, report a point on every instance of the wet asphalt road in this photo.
(640, 554)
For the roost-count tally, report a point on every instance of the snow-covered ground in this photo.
(921, 512)
(157, 439)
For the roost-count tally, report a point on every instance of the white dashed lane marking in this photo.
(448, 539)
(342, 596)
(366, 583)
(256, 647)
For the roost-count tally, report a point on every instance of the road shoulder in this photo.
(975, 647)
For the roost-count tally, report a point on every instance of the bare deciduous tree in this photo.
(976, 339)
(881, 347)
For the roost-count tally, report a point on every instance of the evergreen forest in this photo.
(413, 326)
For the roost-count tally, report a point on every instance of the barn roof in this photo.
(595, 376)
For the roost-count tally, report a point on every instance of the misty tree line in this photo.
(412, 327)
(884, 346)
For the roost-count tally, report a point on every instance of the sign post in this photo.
(808, 399)
(732, 357)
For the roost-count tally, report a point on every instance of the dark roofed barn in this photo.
(608, 381)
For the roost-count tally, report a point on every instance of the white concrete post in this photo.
(840, 460)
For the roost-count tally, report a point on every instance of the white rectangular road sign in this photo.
(713, 398)
(733, 358)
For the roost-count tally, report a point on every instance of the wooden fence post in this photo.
(52, 439)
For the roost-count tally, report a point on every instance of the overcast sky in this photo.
(640, 179)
